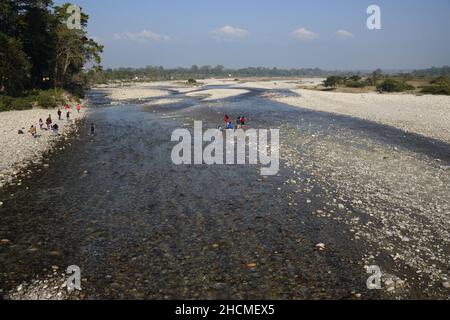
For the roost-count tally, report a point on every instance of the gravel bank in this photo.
(426, 115)
(18, 150)
(215, 94)
(134, 92)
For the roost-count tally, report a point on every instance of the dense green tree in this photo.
(333, 81)
(14, 66)
(41, 50)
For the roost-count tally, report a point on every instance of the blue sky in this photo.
(328, 34)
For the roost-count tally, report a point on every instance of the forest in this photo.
(42, 59)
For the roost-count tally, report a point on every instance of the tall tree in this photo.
(73, 50)
(14, 66)
(37, 23)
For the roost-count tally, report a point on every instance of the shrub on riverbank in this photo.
(391, 85)
(439, 85)
(8, 103)
(192, 82)
(49, 99)
(46, 99)
(354, 81)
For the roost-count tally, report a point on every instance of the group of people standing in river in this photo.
(240, 122)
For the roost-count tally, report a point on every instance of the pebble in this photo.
(446, 285)
(5, 241)
(320, 246)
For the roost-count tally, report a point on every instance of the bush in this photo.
(354, 84)
(436, 89)
(333, 81)
(441, 81)
(5, 103)
(46, 99)
(49, 99)
(391, 85)
(192, 82)
(8, 103)
(354, 78)
(22, 103)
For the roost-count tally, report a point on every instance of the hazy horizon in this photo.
(287, 34)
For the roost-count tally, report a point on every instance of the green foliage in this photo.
(353, 81)
(49, 99)
(355, 84)
(22, 103)
(354, 78)
(192, 82)
(39, 51)
(14, 66)
(391, 85)
(333, 81)
(5, 103)
(46, 99)
(375, 77)
(440, 85)
(8, 103)
(441, 81)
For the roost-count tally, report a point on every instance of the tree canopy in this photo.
(39, 51)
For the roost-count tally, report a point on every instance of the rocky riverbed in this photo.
(350, 194)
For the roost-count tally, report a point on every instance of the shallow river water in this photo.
(141, 227)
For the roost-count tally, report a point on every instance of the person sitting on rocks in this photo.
(33, 131)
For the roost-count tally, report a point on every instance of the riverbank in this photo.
(425, 115)
(19, 150)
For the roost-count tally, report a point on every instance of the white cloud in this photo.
(229, 33)
(304, 34)
(343, 34)
(141, 36)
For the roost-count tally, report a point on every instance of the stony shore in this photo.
(425, 115)
(19, 150)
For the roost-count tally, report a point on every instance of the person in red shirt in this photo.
(78, 108)
(226, 119)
